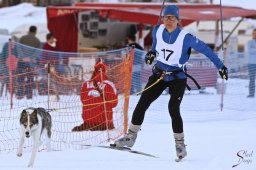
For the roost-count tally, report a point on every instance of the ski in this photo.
(126, 149)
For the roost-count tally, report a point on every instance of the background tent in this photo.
(17, 23)
(63, 21)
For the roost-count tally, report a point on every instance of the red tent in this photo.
(62, 21)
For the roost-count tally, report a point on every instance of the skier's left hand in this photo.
(224, 73)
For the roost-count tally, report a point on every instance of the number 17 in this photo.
(168, 53)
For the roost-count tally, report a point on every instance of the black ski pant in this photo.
(176, 91)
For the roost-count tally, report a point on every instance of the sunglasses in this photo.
(169, 17)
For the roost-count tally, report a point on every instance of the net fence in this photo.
(51, 80)
(28, 82)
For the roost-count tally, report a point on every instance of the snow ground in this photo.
(214, 139)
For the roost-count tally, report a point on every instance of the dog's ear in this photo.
(34, 113)
(33, 116)
(23, 115)
(24, 112)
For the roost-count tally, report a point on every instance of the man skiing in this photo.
(173, 46)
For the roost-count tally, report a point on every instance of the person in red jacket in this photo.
(48, 55)
(51, 54)
(99, 97)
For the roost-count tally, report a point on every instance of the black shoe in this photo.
(29, 97)
(79, 128)
(19, 97)
(250, 96)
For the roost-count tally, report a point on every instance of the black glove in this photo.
(149, 57)
(224, 73)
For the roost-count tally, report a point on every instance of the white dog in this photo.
(33, 122)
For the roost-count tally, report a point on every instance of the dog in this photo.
(34, 122)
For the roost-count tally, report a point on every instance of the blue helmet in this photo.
(171, 10)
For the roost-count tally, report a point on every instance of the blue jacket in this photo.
(251, 45)
(190, 41)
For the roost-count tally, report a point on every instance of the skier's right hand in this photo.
(149, 57)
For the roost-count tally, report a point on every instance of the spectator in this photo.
(4, 71)
(99, 97)
(252, 63)
(137, 64)
(51, 55)
(28, 55)
(132, 42)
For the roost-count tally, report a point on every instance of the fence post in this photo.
(48, 83)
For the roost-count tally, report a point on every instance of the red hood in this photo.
(99, 73)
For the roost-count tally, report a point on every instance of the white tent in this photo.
(17, 20)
